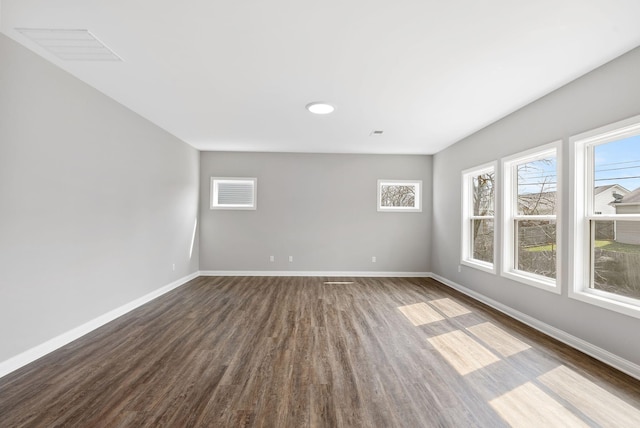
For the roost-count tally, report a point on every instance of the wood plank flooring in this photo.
(296, 352)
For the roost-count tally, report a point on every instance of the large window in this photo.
(531, 208)
(478, 218)
(606, 257)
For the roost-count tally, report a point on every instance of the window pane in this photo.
(398, 196)
(536, 247)
(483, 191)
(617, 177)
(616, 262)
(235, 193)
(537, 182)
(482, 240)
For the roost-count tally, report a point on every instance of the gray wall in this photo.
(319, 208)
(606, 95)
(96, 203)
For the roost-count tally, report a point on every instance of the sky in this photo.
(618, 163)
(537, 176)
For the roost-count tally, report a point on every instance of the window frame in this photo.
(510, 216)
(417, 197)
(581, 148)
(214, 205)
(466, 251)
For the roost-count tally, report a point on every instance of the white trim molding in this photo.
(38, 351)
(351, 274)
(596, 352)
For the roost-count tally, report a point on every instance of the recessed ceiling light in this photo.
(318, 107)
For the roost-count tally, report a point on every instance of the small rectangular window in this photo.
(400, 195)
(233, 193)
(530, 221)
(478, 217)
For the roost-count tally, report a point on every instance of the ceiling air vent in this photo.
(70, 45)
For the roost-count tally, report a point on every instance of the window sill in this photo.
(483, 266)
(603, 300)
(533, 280)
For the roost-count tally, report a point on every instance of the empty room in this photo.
(319, 214)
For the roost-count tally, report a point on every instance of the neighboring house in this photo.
(544, 203)
(628, 232)
(603, 198)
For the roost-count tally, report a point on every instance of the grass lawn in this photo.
(618, 247)
(613, 246)
(541, 248)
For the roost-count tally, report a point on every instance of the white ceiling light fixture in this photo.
(319, 107)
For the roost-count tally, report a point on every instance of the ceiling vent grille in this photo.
(70, 45)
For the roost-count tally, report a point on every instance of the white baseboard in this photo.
(51, 345)
(606, 357)
(350, 274)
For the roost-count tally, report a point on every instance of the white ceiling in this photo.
(236, 74)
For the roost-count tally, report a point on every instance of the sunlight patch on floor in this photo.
(462, 352)
(597, 403)
(420, 314)
(529, 406)
(501, 341)
(450, 308)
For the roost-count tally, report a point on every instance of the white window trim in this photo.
(509, 195)
(213, 193)
(466, 253)
(418, 196)
(579, 234)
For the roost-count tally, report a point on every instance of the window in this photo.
(233, 193)
(478, 217)
(531, 206)
(606, 256)
(400, 195)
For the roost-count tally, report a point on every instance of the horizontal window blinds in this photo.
(235, 193)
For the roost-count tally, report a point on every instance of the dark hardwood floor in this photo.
(299, 352)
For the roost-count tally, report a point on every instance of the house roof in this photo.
(599, 189)
(631, 198)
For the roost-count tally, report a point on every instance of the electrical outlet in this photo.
(290, 258)
(459, 268)
(173, 267)
(373, 259)
(272, 258)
